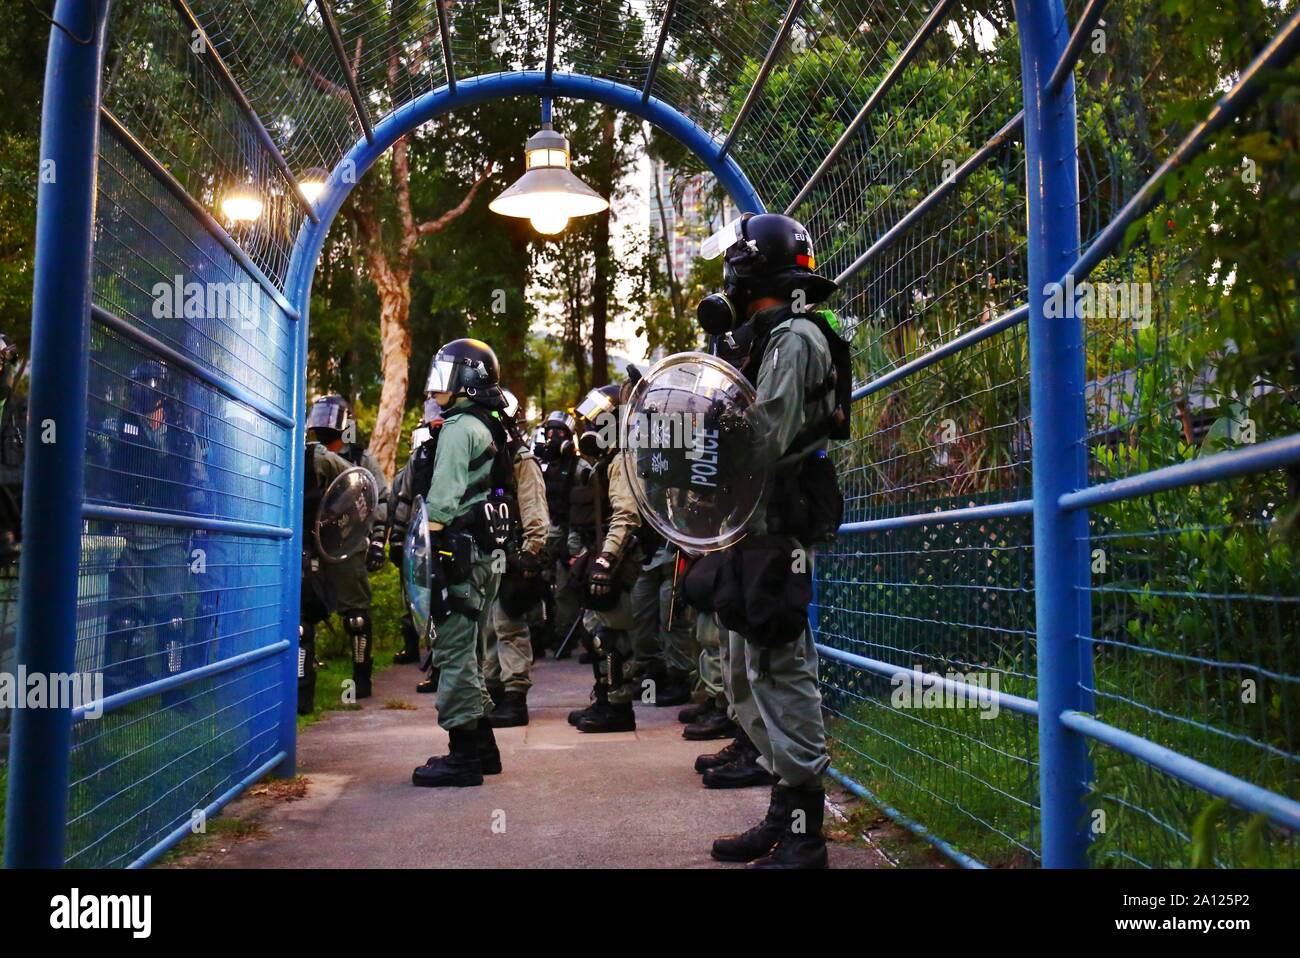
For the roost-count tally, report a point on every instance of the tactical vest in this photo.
(558, 477)
(495, 523)
(422, 466)
(589, 501)
(805, 500)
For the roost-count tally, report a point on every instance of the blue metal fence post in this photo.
(291, 576)
(52, 480)
(1059, 428)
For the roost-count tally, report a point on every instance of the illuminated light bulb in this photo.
(312, 184)
(549, 223)
(242, 205)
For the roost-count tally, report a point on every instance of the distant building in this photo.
(690, 225)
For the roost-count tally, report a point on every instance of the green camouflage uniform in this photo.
(780, 707)
(459, 649)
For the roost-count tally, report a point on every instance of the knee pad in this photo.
(306, 648)
(173, 639)
(356, 622)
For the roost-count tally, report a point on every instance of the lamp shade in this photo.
(548, 193)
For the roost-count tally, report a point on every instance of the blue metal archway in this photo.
(961, 240)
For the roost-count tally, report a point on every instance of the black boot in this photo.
(410, 644)
(609, 718)
(760, 839)
(742, 772)
(361, 678)
(674, 689)
(727, 754)
(712, 726)
(512, 710)
(459, 768)
(600, 700)
(496, 690)
(801, 844)
(693, 713)
(489, 755)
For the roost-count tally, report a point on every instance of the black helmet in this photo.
(559, 419)
(598, 412)
(602, 399)
(465, 367)
(772, 256)
(149, 386)
(329, 412)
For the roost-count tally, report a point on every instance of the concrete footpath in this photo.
(565, 799)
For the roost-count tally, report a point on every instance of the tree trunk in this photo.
(395, 345)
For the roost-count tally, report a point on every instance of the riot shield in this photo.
(689, 453)
(345, 515)
(417, 569)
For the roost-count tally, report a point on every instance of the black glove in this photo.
(396, 551)
(601, 577)
(529, 564)
(375, 556)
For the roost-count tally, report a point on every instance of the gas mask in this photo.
(722, 312)
(589, 445)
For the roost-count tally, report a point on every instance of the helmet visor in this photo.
(442, 377)
(593, 404)
(325, 415)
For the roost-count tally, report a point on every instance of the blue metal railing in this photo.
(1062, 493)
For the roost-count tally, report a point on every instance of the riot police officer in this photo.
(558, 456)
(319, 598)
(330, 422)
(471, 462)
(607, 564)
(800, 369)
(150, 452)
(509, 659)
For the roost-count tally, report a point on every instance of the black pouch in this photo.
(497, 524)
(819, 484)
(806, 502)
(766, 597)
(456, 550)
(703, 580)
(520, 593)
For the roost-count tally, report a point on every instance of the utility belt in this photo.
(805, 500)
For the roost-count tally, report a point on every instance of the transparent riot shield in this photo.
(689, 453)
(417, 569)
(345, 515)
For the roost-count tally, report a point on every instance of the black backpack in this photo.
(495, 522)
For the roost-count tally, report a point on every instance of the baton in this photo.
(577, 620)
(672, 596)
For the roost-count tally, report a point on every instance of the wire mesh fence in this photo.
(897, 132)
